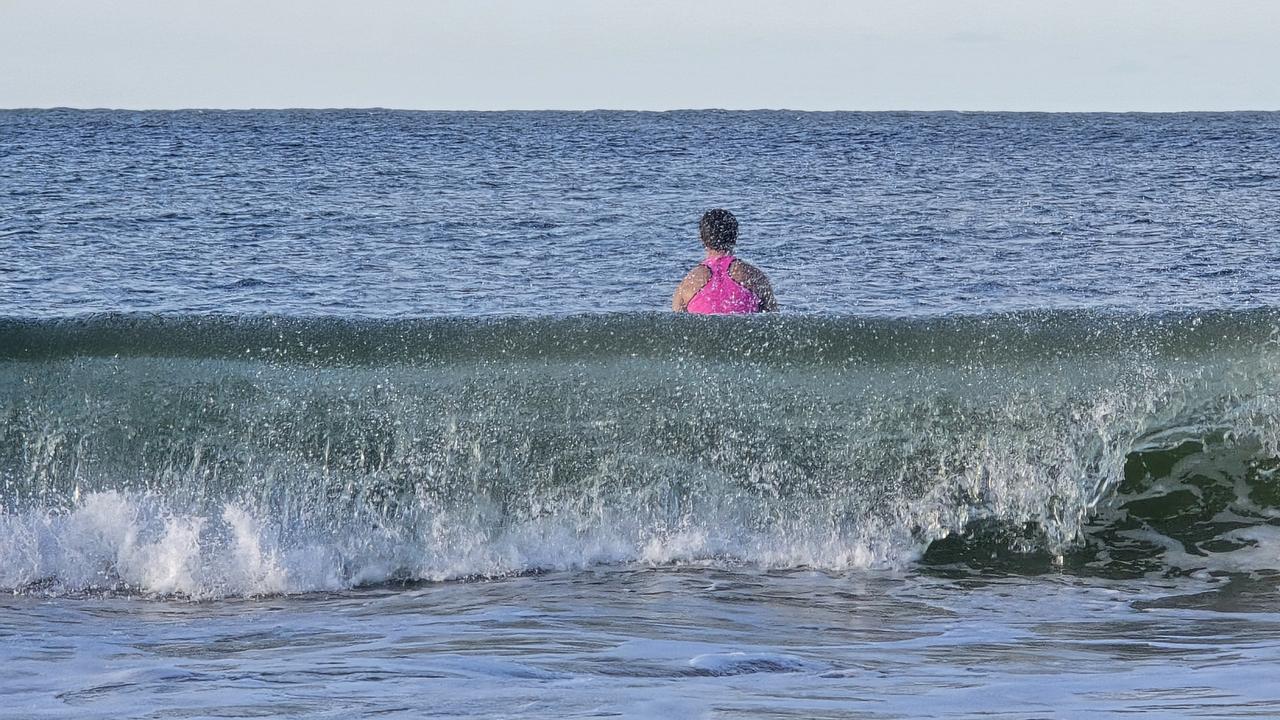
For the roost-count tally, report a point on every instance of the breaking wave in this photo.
(214, 456)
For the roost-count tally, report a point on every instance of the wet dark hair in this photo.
(718, 230)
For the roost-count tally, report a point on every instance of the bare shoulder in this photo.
(693, 281)
(754, 279)
(700, 274)
(741, 270)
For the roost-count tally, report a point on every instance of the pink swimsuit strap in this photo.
(722, 294)
(719, 265)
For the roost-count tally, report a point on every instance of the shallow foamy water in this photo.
(660, 642)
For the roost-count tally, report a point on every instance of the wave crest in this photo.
(213, 456)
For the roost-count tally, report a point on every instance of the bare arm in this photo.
(689, 287)
(750, 277)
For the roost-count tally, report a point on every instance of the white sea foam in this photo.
(112, 540)
(117, 541)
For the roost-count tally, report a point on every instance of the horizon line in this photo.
(382, 108)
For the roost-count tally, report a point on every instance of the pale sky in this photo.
(1082, 55)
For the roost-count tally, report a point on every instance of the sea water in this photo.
(372, 413)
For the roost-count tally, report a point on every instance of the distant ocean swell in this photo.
(213, 456)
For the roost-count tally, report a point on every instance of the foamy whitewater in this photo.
(222, 457)
(350, 414)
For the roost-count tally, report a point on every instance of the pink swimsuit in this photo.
(722, 294)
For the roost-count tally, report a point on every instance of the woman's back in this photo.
(722, 284)
(725, 291)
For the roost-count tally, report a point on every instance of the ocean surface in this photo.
(344, 414)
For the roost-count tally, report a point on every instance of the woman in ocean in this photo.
(722, 284)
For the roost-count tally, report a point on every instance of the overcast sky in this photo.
(634, 54)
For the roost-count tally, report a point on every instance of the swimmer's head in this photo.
(719, 230)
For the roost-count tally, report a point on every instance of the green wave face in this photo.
(217, 456)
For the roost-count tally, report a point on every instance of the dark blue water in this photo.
(382, 414)
(385, 214)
